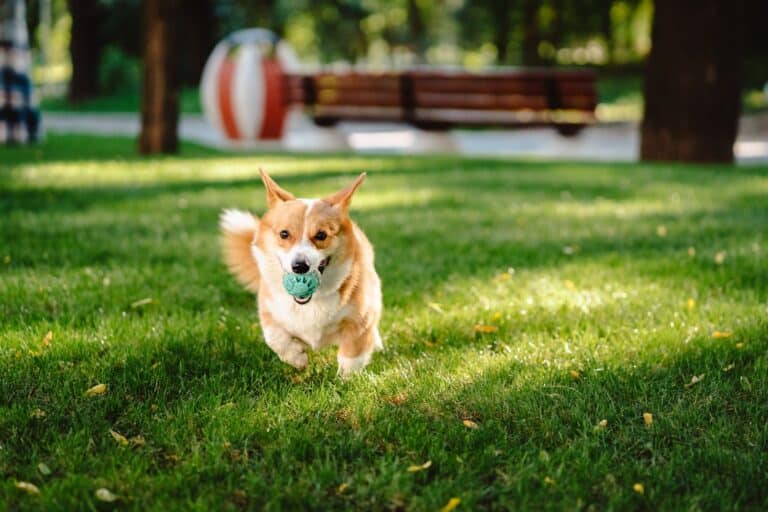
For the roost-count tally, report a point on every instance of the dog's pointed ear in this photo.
(275, 194)
(343, 197)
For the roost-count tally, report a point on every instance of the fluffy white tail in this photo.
(238, 231)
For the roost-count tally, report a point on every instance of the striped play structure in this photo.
(242, 89)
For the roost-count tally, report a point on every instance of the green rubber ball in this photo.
(300, 285)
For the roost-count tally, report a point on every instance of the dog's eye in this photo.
(284, 234)
(321, 236)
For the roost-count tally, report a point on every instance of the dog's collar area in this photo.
(324, 264)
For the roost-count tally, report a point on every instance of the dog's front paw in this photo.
(351, 365)
(298, 360)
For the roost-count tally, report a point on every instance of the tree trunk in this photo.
(160, 102)
(198, 19)
(503, 28)
(417, 29)
(693, 81)
(85, 46)
(531, 33)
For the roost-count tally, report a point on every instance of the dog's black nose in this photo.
(300, 267)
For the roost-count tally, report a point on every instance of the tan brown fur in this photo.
(236, 251)
(255, 254)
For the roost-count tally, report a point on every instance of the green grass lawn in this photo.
(534, 312)
(126, 101)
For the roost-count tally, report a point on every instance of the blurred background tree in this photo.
(93, 48)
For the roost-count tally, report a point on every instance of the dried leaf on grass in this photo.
(141, 302)
(47, 340)
(105, 495)
(695, 380)
(27, 487)
(98, 389)
(485, 328)
(120, 438)
(452, 504)
(420, 467)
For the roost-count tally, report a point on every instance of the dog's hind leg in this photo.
(356, 347)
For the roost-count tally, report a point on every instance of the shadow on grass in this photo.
(533, 424)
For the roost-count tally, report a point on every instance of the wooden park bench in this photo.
(440, 100)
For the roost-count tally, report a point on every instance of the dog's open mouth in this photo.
(302, 300)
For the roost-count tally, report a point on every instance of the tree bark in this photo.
(502, 32)
(160, 101)
(531, 33)
(693, 81)
(199, 19)
(417, 30)
(85, 47)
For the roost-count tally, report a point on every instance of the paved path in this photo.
(609, 141)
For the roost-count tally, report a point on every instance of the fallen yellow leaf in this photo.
(695, 380)
(549, 480)
(436, 307)
(397, 399)
(105, 495)
(601, 425)
(141, 302)
(343, 487)
(98, 389)
(718, 335)
(639, 488)
(469, 424)
(720, 257)
(44, 469)
(422, 467)
(575, 374)
(137, 441)
(47, 339)
(120, 438)
(729, 367)
(452, 504)
(485, 328)
(648, 419)
(740, 345)
(27, 487)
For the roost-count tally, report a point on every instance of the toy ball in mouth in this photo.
(300, 286)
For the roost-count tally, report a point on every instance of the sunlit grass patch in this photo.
(535, 313)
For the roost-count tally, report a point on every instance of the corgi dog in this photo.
(302, 236)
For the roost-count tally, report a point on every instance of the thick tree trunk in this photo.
(531, 33)
(417, 29)
(85, 46)
(503, 28)
(693, 81)
(198, 19)
(160, 102)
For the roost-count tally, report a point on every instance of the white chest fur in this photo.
(311, 322)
